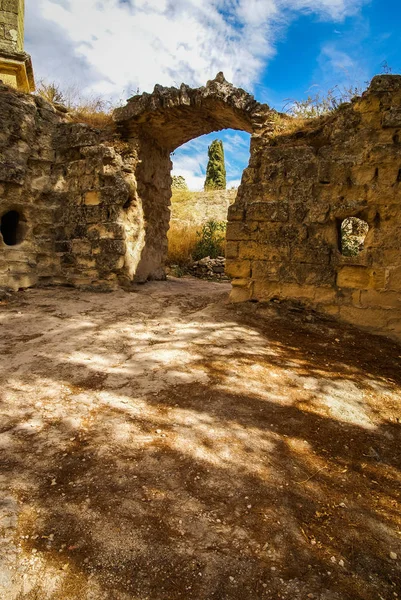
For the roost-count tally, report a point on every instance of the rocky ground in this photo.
(163, 444)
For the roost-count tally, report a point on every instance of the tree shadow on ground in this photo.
(223, 483)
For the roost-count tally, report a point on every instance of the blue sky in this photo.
(279, 50)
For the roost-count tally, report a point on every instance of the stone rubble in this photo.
(209, 268)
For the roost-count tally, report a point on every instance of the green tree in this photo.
(216, 168)
(178, 183)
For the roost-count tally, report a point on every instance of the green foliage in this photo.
(320, 104)
(211, 240)
(353, 234)
(216, 168)
(178, 183)
(178, 271)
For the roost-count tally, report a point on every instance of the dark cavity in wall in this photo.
(11, 228)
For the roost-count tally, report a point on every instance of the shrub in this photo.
(320, 104)
(211, 240)
(178, 183)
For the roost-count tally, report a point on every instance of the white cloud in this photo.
(190, 163)
(114, 47)
(117, 46)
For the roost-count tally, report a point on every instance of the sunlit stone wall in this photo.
(283, 237)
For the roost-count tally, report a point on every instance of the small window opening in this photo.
(12, 228)
(353, 233)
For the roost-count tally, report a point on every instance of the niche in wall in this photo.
(353, 232)
(12, 228)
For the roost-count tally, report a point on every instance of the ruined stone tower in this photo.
(15, 65)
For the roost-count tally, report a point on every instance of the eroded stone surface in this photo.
(283, 232)
(173, 116)
(94, 205)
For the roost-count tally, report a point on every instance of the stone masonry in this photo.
(283, 232)
(87, 207)
(93, 205)
(15, 65)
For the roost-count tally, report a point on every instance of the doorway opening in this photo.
(199, 205)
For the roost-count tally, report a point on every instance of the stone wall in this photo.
(12, 25)
(80, 218)
(195, 208)
(15, 65)
(283, 232)
(26, 150)
(91, 207)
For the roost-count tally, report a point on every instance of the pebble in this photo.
(393, 556)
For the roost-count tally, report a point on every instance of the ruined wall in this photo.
(12, 25)
(164, 120)
(283, 231)
(15, 65)
(26, 151)
(74, 190)
(195, 208)
(93, 206)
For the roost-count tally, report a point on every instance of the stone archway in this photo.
(155, 125)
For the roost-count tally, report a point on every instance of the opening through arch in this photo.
(157, 124)
(206, 175)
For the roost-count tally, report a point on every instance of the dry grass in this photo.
(92, 110)
(99, 120)
(182, 239)
(287, 124)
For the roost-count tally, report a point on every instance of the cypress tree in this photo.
(216, 168)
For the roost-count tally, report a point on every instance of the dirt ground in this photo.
(163, 444)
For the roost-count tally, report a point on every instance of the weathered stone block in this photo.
(12, 173)
(240, 294)
(298, 292)
(258, 251)
(266, 270)
(64, 246)
(266, 290)
(235, 213)
(112, 246)
(362, 175)
(394, 279)
(366, 317)
(237, 231)
(361, 277)
(231, 250)
(81, 247)
(92, 198)
(353, 277)
(267, 211)
(238, 268)
(392, 118)
(375, 299)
